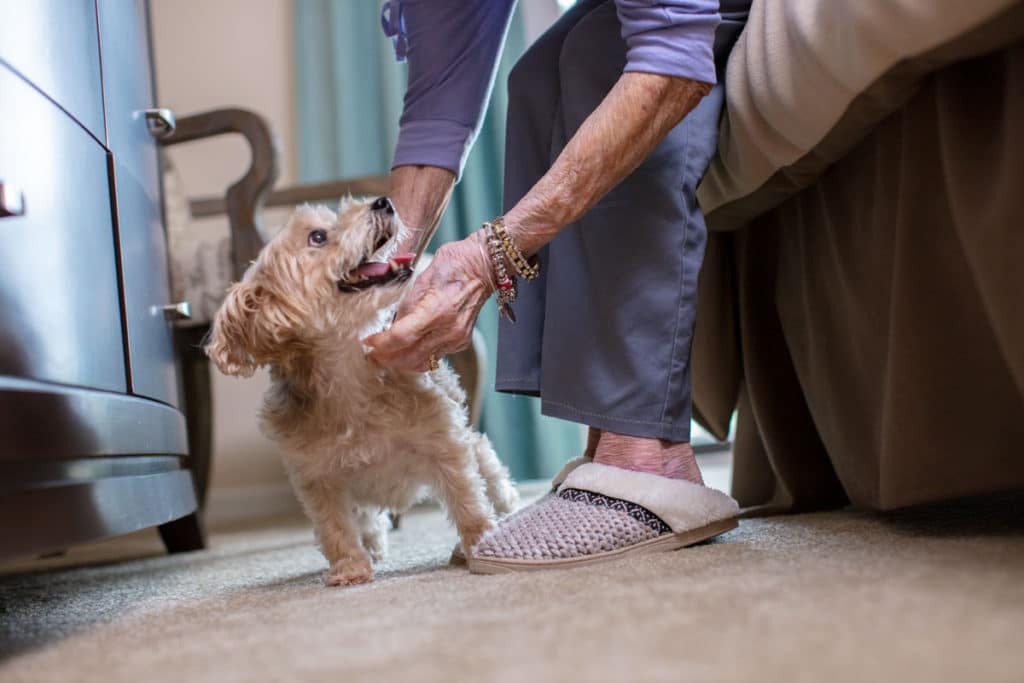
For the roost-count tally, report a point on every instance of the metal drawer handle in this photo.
(179, 311)
(160, 122)
(12, 201)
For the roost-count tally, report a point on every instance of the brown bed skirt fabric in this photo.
(870, 330)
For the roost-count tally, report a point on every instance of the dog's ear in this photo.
(234, 343)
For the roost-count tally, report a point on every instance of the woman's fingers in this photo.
(414, 339)
(438, 314)
(408, 326)
(402, 336)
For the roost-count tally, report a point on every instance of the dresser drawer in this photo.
(128, 91)
(60, 317)
(55, 44)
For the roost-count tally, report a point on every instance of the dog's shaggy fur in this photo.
(358, 439)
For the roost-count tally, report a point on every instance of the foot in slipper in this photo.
(600, 513)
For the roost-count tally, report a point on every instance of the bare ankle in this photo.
(664, 458)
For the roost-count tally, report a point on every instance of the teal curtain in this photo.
(348, 100)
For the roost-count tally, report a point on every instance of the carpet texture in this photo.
(927, 595)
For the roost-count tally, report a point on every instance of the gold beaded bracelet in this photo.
(516, 258)
(505, 285)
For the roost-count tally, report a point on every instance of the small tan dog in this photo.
(358, 439)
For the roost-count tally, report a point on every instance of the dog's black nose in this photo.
(382, 204)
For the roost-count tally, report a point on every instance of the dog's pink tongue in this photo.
(379, 268)
(372, 269)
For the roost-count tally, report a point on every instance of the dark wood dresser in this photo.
(92, 435)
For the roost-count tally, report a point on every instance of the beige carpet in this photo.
(928, 595)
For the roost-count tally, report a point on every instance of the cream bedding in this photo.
(809, 78)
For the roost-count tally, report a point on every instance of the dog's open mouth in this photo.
(374, 273)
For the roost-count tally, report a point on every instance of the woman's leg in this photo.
(673, 459)
(608, 329)
(532, 123)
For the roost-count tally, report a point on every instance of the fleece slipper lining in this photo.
(681, 504)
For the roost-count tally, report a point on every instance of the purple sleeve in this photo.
(452, 47)
(670, 37)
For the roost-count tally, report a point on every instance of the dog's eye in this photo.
(317, 238)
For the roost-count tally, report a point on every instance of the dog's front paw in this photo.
(349, 572)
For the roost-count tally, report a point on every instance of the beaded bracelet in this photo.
(523, 267)
(506, 286)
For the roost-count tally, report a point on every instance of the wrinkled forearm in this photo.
(420, 195)
(613, 141)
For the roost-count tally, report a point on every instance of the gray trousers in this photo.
(603, 336)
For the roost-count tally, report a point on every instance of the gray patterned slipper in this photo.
(458, 558)
(601, 513)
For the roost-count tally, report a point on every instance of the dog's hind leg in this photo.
(458, 482)
(500, 489)
(373, 525)
(337, 532)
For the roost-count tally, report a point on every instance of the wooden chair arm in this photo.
(244, 198)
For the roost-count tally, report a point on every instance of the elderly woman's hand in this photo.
(437, 316)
